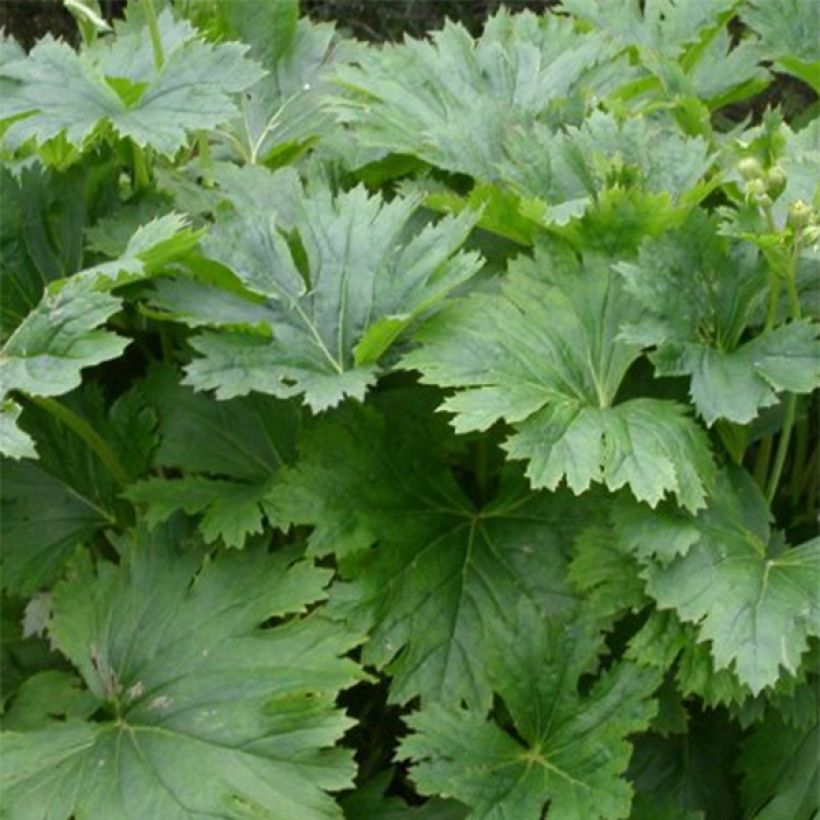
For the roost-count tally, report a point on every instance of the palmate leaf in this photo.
(227, 453)
(625, 179)
(664, 26)
(285, 108)
(684, 44)
(64, 334)
(696, 316)
(172, 650)
(545, 356)
(753, 600)
(790, 35)
(443, 570)
(419, 97)
(570, 749)
(319, 316)
(54, 90)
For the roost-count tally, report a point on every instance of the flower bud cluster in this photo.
(762, 186)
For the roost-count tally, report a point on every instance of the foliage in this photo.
(419, 430)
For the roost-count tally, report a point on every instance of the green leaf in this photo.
(62, 335)
(227, 453)
(568, 175)
(44, 519)
(286, 107)
(790, 35)
(442, 570)
(55, 90)
(569, 750)
(46, 697)
(41, 236)
(325, 297)
(606, 574)
(369, 802)
(14, 443)
(781, 774)
(695, 318)
(69, 496)
(172, 650)
(419, 97)
(686, 776)
(48, 350)
(753, 600)
(545, 356)
(664, 26)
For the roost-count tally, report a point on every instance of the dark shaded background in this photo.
(28, 20)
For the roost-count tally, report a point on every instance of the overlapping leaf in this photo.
(545, 356)
(443, 570)
(284, 109)
(420, 97)
(628, 179)
(325, 306)
(69, 496)
(64, 334)
(569, 748)
(781, 775)
(55, 90)
(174, 654)
(790, 34)
(227, 453)
(696, 317)
(753, 599)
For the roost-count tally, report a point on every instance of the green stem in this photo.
(763, 460)
(95, 442)
(204, 151)
(142, 178)
(801, 452)
(790, 404)
(153, 31)
(782, 447)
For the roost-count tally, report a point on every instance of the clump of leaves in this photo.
(419, 430)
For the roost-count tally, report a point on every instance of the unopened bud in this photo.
(764, 201)
(811, 234)
(756, 187)
(750, 168)
(776, 180)
(800, 215)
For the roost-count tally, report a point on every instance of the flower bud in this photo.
(776, 180)
(811, 234)
(750, 168)
(764, 201)
(756, 187)
(800, 215)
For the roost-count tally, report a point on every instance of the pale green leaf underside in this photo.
(55, 90)
(319, 333)
(419, 97)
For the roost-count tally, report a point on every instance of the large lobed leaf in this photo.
(321, 308)
(753, 599)
(172, 650)
(545, 355)
(429, 572)
(569, 747)
(54, 90)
